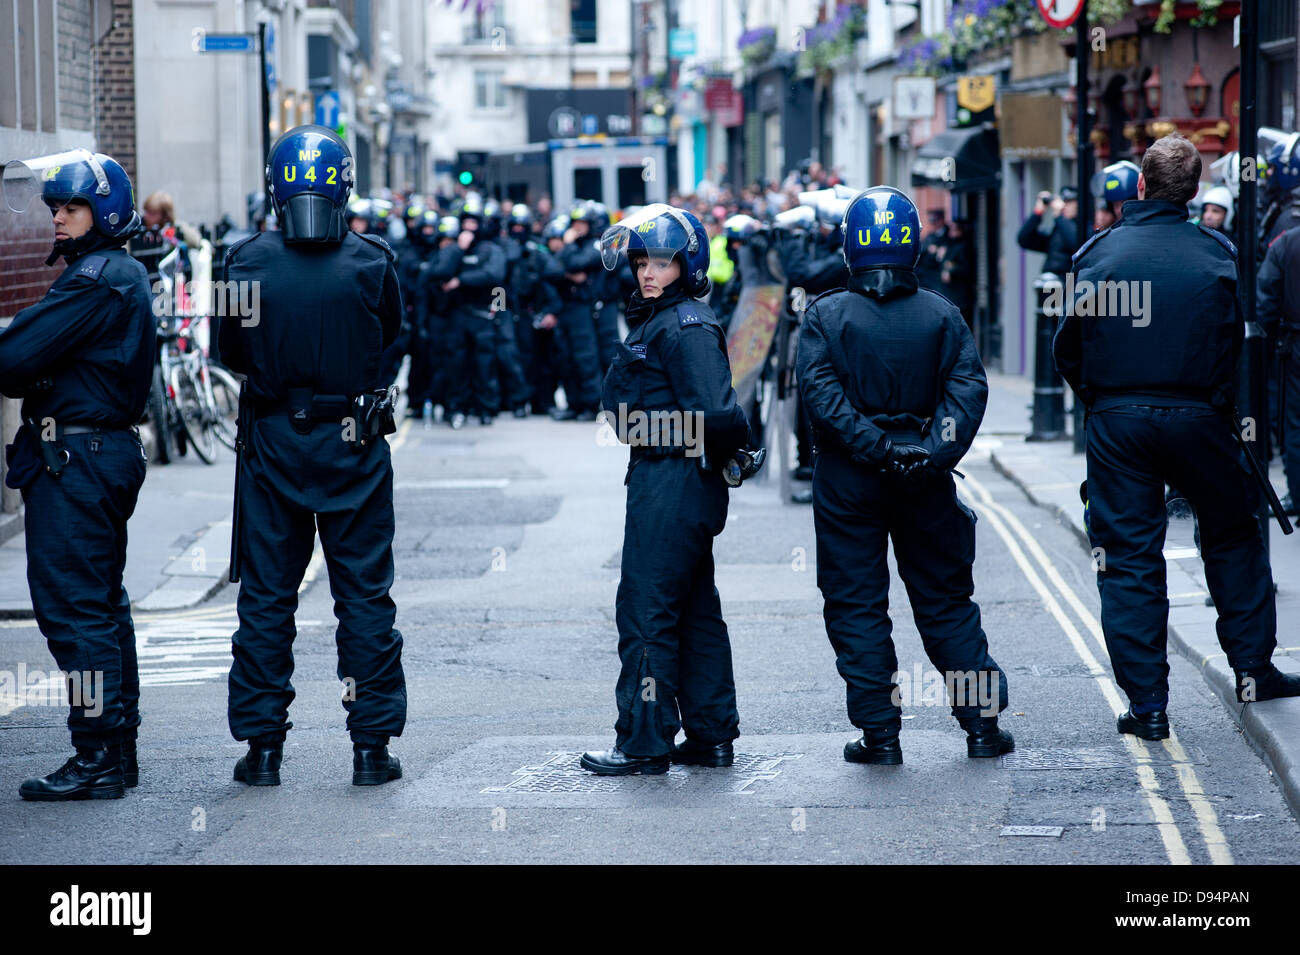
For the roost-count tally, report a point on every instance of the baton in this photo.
(1262, 477)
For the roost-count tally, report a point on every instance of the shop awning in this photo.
(960, 160)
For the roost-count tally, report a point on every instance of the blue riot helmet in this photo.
(448, 227)
(472, 208)
(741, 226)
(309, 179)
(556, 228)
(595, 214)
(95, 178)
(661, 230)
(521, 218)
(881, 229)
(1283, 160)
(1118, 182)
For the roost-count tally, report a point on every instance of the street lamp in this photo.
(1152, 90)
(1198, 90)
(1130, 96)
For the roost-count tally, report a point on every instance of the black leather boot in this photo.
(260, 766)
(984, 740)
(373, 765)
(1151, 726)
(130, 767)
(876, 748)
(91, 774)
(1266, 683)
(615, 762)
(690, 753)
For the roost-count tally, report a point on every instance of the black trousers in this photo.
(672, 640)
(475, 388)
(76, 552)
(1289, 396)
(857, 511)
(514, 387)
(581, 356)
(1133, 451)
(294, 485)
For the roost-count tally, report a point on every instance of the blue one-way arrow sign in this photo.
(327, 109)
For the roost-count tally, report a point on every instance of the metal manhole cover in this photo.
(1064, 759)
(562, 773)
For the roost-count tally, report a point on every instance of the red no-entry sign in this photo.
(1060, 13)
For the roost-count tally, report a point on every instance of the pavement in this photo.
(1050, 472)
(507, 561)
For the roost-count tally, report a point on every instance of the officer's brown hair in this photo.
(1172, 169)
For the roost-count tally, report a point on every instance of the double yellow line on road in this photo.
(1013, 532)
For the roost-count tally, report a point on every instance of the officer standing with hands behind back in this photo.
(896, 392)
(673, 642)
(1159, 385)
(313, 457)
(82, 360)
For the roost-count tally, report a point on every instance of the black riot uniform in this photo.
(534, 298)
(895, 390)
(480, 271)
(673, 643)
(81, 359)
(579, 345)
(1278, 307)
(1158, 382)
(314, 458)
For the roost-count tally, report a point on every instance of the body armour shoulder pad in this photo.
(377, 240)
(1089, 244)
(240, 244)
(690, 313)
(92, 266)
(826, 294)
(1220, 238)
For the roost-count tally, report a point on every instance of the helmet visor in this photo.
(58, 176)
(658, 230)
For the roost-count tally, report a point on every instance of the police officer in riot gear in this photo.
(672, 376)
(474, 271)
(581, 284)
(1158, 383)
(82, 359)
(1112, 187)
(313, 457)
(896, 392)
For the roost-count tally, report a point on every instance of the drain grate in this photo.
(562, 773)
(1065, 759)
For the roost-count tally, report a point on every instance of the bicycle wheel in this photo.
(225, 397)
(194, 421)
(159, 417)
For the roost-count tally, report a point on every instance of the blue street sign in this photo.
(681, 43)
(590, 124)
(227, 43)
(327, 109)
(270, 58)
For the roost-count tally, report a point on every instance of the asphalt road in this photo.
(507, 557)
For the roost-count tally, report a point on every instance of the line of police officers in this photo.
(892, 387)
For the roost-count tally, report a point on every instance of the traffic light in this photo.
(466, 177)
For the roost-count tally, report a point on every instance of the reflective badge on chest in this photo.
(639, 349)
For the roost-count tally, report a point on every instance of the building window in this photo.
(489, 24)
(583, 21)
(489, 90)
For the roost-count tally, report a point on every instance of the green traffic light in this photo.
(466, 178)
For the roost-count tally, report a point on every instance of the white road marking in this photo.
(1206, 819)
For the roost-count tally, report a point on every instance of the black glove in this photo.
(907, 460)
